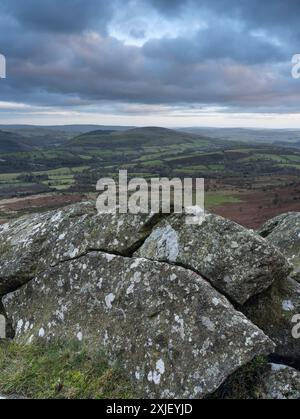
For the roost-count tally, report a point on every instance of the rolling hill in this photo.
(136, 137)
(284, 137)
(47, 137)
(13, 143)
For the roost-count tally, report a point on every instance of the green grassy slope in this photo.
(12, 143)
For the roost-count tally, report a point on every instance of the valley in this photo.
(250, 176)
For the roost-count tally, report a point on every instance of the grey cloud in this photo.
(105, 69)
(59, 15)
(255, 13)
(55, 59)
(217, 43)
(170, 7)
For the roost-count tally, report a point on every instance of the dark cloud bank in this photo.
(66, 53)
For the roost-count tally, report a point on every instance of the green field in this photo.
(215, 199)
(157, 152)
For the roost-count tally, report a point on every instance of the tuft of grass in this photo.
(59, 371)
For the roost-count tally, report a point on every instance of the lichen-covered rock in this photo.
(238, 262)
(284, 233)
(171, 331)
(33, 243)
(273, 311)
(281, 383)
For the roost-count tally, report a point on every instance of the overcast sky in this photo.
(150, 62)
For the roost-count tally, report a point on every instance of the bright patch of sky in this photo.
(141, 26)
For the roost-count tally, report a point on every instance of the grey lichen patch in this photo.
(238, 262)
(165, 241)
(168, 328)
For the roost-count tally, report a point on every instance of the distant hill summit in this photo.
(136, 137)
(153, 130)
(100, 132)
(12, 143)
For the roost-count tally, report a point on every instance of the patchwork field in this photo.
(245, 181)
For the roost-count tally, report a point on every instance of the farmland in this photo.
(70, 164)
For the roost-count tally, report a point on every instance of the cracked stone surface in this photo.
(173, 333)
(284, 233)
(34, 243)
(238, 262)
(132, 285)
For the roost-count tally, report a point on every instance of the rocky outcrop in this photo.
(236, 261)
(153, 293)
(284, 233)
(32, 244)
(173, 333)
